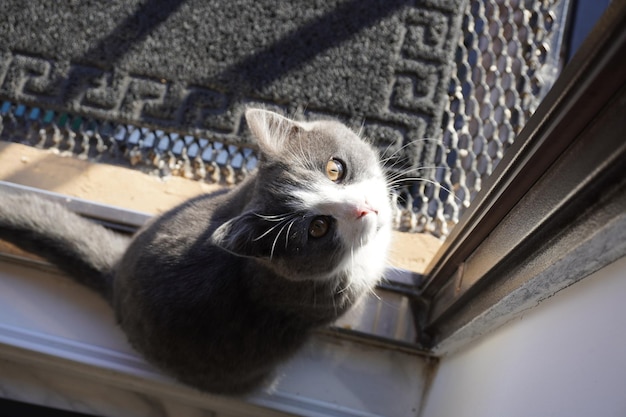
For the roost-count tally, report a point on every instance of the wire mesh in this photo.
(506, 62)
(152, 151)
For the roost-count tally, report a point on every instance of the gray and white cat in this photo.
(219, 290)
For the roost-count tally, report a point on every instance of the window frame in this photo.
(558, 192)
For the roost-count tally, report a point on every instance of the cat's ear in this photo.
(271, 129)
(241, 236)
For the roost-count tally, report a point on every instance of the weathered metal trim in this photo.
(566, 160)
(119, 219)
(584, 87)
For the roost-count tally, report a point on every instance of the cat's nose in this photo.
(364, 210)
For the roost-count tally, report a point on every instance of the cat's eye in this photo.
(319, 227)
(335, 169)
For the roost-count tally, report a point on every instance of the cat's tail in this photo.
(86, 251)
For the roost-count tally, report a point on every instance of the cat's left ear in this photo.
(271, 129)
(241, 236)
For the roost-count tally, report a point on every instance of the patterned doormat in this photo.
(192, 66)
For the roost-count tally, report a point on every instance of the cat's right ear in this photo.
(271, 129)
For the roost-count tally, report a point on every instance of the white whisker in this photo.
(289, 231)
(273, 218)
(280, 218)
(344, 289)
(400, 174)
(403, 147)
(372, 291)
(399, 181)
(276, 240)
(267, 232)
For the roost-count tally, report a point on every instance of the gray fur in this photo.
(221, 289)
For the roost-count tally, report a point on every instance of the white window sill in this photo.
(60, 347)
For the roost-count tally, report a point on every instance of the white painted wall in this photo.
(564, 358)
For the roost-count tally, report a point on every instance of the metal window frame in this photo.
(557, 199)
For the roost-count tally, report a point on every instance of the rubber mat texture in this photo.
(193, 66)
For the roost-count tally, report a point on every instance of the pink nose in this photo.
(364, 210)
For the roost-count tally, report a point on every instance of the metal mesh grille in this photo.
(152, 151)
(505, 63)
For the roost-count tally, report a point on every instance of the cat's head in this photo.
(321, 204)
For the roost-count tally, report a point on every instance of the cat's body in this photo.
(220, 289)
